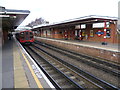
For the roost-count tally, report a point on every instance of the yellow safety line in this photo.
(33, 74)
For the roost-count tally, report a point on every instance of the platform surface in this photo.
(7, 66)
(19, 69)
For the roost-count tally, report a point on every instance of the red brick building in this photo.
(89, 28)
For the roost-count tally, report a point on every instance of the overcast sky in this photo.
(60, 10)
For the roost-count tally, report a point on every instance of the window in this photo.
(48, 32)
(26, 33)
(44, 32)
(91, 33)
(22, 34)
(76, 33)
(83, 26)
(31, 35)
(83, 33)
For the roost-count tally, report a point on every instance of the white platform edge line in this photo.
(44, 76)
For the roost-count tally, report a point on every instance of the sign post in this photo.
(104, 40)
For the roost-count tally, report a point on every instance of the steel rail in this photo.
(115, 73)
(84, 73)
(70, 80)
(44, 71)
(57, 49)
(85, 56)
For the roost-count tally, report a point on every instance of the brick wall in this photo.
(98, 53)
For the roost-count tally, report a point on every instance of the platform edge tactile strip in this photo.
(20, 79)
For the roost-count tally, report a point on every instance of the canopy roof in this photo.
(10, 19)
(80, 20)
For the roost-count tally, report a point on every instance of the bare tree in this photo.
(37, 22)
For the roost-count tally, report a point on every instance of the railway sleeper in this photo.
(58, 66)
(81, 83)
(47, 68)
(44, 65)
(66, 85)
(67, 72)
(61, 69)
(72, 77)
(51, 71)
(56, 76)
(60, 80)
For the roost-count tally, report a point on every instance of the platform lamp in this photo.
(104, 40)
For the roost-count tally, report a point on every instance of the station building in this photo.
(89, 28)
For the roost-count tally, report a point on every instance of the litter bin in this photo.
(104, 43)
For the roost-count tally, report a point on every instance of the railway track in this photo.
(105, 75)
(99, 64)
(56, 76)
(81, 78)
(62, 75)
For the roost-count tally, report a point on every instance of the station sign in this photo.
(1, 16)
(77, 26)
(99, 33)
(7, 16)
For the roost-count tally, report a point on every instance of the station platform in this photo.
(19, 70)
(109, 52)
